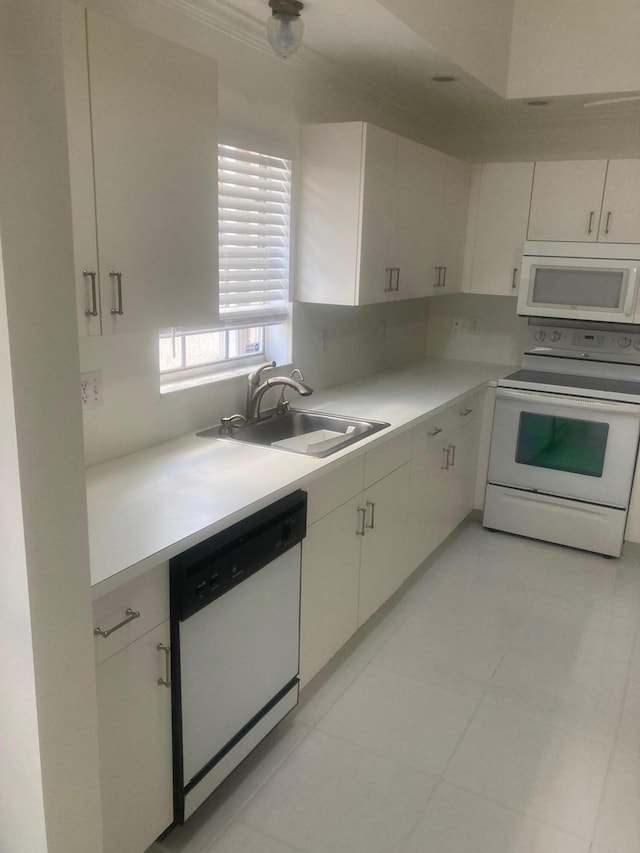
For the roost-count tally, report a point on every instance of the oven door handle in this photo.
(569, 402)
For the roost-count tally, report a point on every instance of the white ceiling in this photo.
(370, 44)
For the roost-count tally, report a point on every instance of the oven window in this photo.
(563, 444)
(583, 288)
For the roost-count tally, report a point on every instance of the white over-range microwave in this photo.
(581, 281)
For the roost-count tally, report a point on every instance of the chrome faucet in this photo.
(257, 390)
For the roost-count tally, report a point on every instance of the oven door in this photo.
(567, 446)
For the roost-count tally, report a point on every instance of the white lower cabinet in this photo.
(329, 593)
(442, 480)
(383, 556)
(134, 730)
(419, 487)
(134, 727)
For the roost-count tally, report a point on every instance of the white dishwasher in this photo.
(235, 627)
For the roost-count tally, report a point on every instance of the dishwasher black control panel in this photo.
(208, 570)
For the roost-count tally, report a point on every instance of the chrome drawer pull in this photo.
(590, 225)
(93, 311)
(118, 278)
(513, 278)
(606, 227)
(435, 431)
(363, 514)
(465, 412)
(452, 448)
(390, 270)
(445, 467)
(129, 613)
(165, 682)
(373, 515)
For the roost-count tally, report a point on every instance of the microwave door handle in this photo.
(633, 288)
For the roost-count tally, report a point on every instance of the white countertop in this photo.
(147, 507)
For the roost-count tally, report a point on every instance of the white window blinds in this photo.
(254, 192)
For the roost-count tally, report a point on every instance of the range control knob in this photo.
(555, 336)
(540, 335)
(624, 342)
(636, 344)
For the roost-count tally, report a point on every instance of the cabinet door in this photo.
(418, 218)
(134, 738)
(378, 189)
(85, 247)
(499, 198)
(460, 476)
(385, 560)
(329, 594)
(153, 109)
(620, 220)
(566, 200)
(428, 502)
(453, 221)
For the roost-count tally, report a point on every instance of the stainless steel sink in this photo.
(298, 431)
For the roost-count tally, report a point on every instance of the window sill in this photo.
(170, 383)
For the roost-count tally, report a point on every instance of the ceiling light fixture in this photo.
(285, 27)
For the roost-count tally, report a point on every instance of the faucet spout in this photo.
(255, 397)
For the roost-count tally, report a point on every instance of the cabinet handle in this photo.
(445, 467)
(465, 412)
(389, 288)
(129, 613)
(606, 227)
(372, 505)
(436, 431)
(363, 513)
(397, 287)
(513, 278)
(166, 681)
(436, 283)
(452, 448)
(118, 278)
(93, 311)
(590, 226)
(444, 276)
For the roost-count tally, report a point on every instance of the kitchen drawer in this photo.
(147, 595)
(448, 420)
(334, 489)
(385, 458)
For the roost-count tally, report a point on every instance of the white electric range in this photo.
(565, 437)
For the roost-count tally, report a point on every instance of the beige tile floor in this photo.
(492, 706)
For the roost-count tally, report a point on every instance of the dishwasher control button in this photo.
(624, 342)
(236, 571)
(201, 589)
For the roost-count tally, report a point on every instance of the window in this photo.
(254, 213)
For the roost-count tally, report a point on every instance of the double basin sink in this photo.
(297, 431)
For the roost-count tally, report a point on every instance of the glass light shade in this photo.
(285, 33)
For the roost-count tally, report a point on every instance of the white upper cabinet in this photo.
(499, 199)
(371, 214)
(620, 219)
(566, 200)
(586, 201)
(448, 272)
(143, 161)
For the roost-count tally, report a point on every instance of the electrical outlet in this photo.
(457, 323)
(91, 389)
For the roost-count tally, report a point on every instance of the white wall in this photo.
(574, 47)
(263, 96)
(48, 725)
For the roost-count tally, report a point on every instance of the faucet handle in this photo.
(226, 424)
(254, 377)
